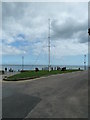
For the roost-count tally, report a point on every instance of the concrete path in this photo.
(9, 74)
(57, 96)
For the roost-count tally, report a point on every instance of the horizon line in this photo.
(41, 65)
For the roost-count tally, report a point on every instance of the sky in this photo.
(25, 32)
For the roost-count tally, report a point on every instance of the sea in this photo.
(32, 67)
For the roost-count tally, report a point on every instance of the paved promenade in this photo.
(56, 96)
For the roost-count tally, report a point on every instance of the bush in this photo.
(64, 69)
(24, 71)
(36, 69)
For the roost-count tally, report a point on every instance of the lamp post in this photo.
(22, 62)
(84, 62)
(49, 45)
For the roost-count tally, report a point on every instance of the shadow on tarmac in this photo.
(18, 106)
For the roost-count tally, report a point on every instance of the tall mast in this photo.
(49, 44)
(84, 62)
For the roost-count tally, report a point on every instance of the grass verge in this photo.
(33, 74)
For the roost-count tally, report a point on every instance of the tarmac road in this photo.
(56, 96)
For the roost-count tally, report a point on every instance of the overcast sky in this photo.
(25, 32)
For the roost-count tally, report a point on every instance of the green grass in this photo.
(33, 74)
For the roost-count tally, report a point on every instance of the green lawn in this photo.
(33, 74)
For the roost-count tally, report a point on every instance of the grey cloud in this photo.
(70, 29)
(13, 9)
(83, 36)
(32, 20)
(89, 14)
